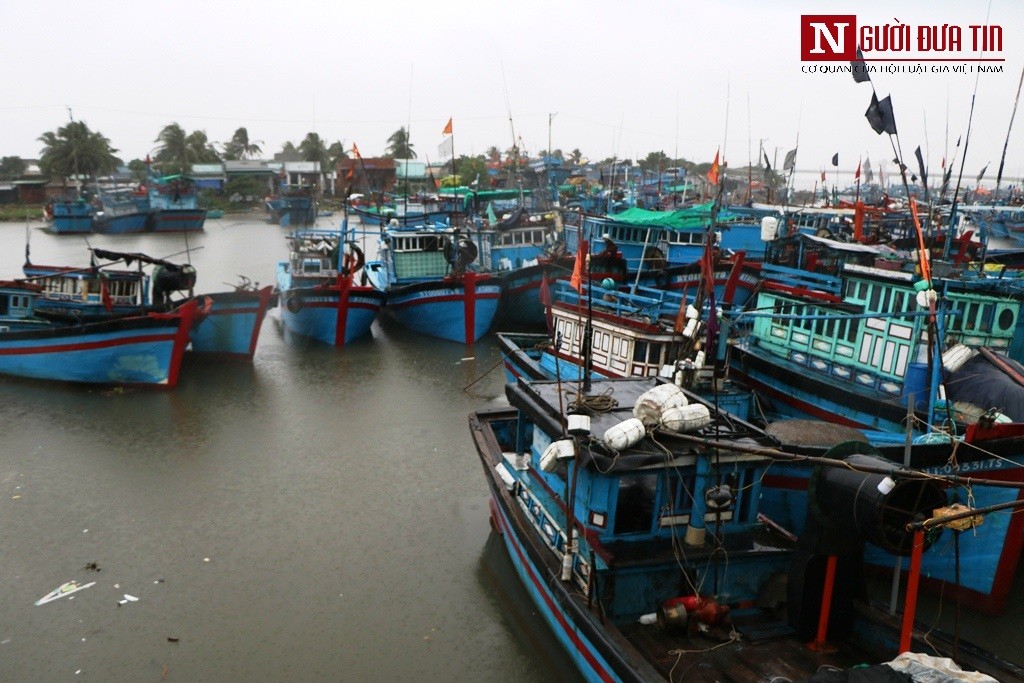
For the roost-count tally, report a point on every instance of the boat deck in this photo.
(766, 651)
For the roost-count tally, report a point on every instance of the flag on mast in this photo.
(447, 128)
(713, 173)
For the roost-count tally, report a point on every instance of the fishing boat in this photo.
(68, 216)
(294, 206)
(131, 350)
(319, 297)
(654, 240)
(174, 205)
(402, 213)
(122, 211)
(229, 328)
(631, 515)
(432, 285)
(852, 341)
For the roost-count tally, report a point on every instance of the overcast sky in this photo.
(621, 78)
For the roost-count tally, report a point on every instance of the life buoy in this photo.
(294, 304)
(354, 260)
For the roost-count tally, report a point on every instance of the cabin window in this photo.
(310, 265)
(985, 319)
(640, 352)
(676, 497)
(1005, 320)
(972, 317)
(876, 295)
(634, 506)
(851, 331)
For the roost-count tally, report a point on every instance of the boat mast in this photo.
(1006, 143)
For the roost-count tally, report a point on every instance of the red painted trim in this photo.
(774, 481)
(341, 322)
(808, 408)
(734, 277)
(261, 312)
(910, 601)
(469, 306)
(86, 346)
(187, 314)
(555, 610)
(801, 291)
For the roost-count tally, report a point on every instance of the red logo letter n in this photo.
(828, 37)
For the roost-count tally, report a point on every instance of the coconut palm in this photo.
(241, 147)
(178, 150)
(399, 146)
(312, 148)
(200, 148)
(75, 150)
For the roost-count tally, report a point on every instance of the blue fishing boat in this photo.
(230, 325)
(319, 297)
(403, 213)
(653, 240)
(174, 205)
(123, 211)
(65, 217)
(144, 349)
(631, 516)
(431, 283)
(294, 207)
(851, 341)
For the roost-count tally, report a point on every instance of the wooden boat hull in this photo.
(335, 315)
(70, 218)
(177, 220)
(231, 328)
(457, 309)
(143, 350)
(992, 551)
(121, 224)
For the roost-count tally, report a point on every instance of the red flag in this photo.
(943, 162)
(351, 172)
(581, 262)
(355, 150)
(108, 303)
(857, 174)
(822, 176)
(447, 128)
(713, 173)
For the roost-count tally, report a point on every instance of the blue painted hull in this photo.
(125, 223)
(71, 218)
(991, 551)
(177, 220)
(297, 212)
(335, 315)
(137, 350)
(231, 329)
(537, 580)
(459, 310)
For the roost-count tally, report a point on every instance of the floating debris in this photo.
(94, 566)
(62, 591)
(173, 639)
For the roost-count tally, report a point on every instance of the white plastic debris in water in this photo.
(562, 449)
(63, 590)
(686, 418)
(649, 406)
(625, 434)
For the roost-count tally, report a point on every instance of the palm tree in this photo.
(240, 147)
(312, 148)
(200, 148)
(173, 153)
(399, 146)
(75, 150)
(179, 150)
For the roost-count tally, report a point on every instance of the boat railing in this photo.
(645, 302)
(796, 277)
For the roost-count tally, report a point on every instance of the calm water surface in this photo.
(317, 515)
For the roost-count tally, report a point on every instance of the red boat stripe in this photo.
(84, 346)
(534, 579)
(469, 307)
(344, 283)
